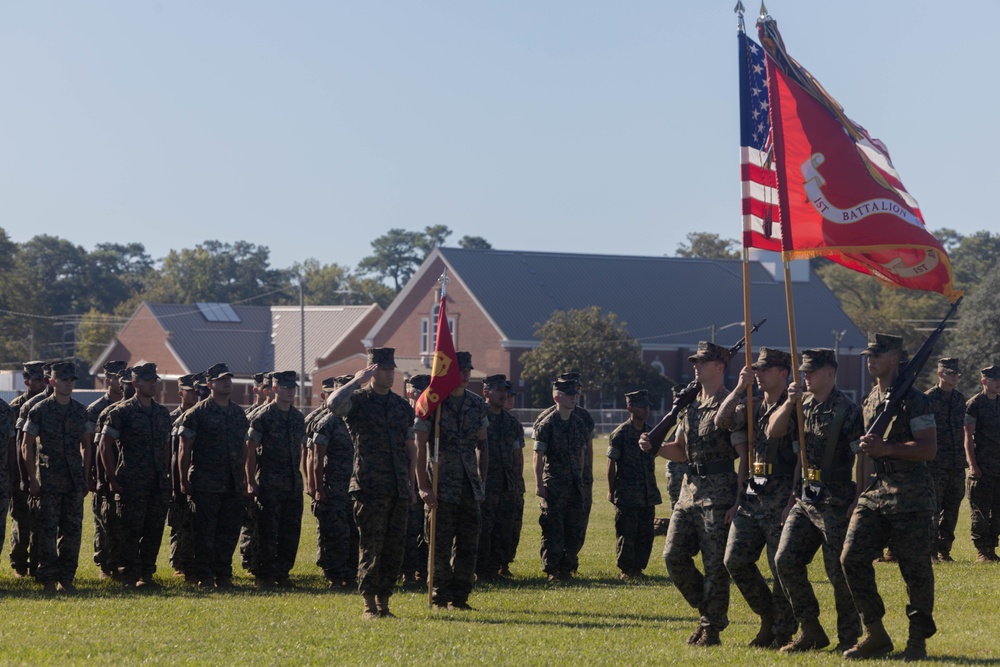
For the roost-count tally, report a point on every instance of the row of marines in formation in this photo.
(858, 494)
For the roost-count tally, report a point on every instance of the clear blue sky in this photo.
(314, 127)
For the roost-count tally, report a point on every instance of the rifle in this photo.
(904, 381)
(685, 398)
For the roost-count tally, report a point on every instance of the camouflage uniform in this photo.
(103, 502)
(7, 472)
(948, 466)
(505, 436)
(380, 426)
(563, 444)
(588, 471)
(217, 434)
(248, 525)
(984, 492)
(22, 536)
(512, 505)
(757, 523)
(636, 497)
(698, 520)
(62, 481)
(143, 435)
(20, 512)
(459, 493)
(821, 520)
(179, 516)
(898, 505)
(279, 436)
(337, 534)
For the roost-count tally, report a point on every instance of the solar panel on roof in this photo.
(218, 312)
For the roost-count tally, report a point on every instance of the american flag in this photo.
(761, 219)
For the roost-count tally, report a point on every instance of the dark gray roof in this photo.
(665, 301)
(245, 345)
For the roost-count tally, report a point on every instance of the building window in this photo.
(425, 337)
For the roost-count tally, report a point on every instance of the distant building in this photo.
(188, 338)
(498, 298)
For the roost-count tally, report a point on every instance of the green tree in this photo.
(973, 339)
(597, 345)
(93, 334)
(395, 256)
(432, 237)
(708, 246)
(221, 272)
(474, 243)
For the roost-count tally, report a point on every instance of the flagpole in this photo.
(433, 519)
(748, 355)
(800, 415)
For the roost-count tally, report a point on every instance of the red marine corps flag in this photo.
(837, 190)
(445, 376)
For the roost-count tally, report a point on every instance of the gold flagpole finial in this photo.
(763, 10)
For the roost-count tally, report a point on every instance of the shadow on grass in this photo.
(653, 581)
(542, 617)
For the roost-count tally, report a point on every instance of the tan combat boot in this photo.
(916, 649)
(371, 609)
(709, 637)
(874, 644)
(986, 556)
(765, 635)
(811, 638)
(382, 604)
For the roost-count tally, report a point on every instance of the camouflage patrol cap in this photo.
(572, 376)
(258, 379)
(768, 358)
(464, 360)
(991, 373)
(64, 370)
(285, 379)
(813, 360)
(125, 375)
(33, 369)
(637, 399)
(217, 372)
(496, 381)
(146, 371)
(47, 368)
(948, 364)
(567, 387)
(187, 382)
(880, 343)
(329, 383)
(385, 357)
(420, 381)
(112, 367)
(710, 352)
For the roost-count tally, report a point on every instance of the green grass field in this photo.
(592, 621)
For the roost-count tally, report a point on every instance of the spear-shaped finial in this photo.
(738, 10)
(444, 282)
(763, 10)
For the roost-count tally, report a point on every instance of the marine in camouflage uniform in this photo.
(179, 516)
(898, 506)
(708, 495)
(57, 469)
(833, 425)
(381, 425)
(415, 557)
(562, 451)
(765, 499)
(213, 437)
(512, 504)
(982, 447)
(8, 471)
(462, 463)
(632, 489)
(263, 397)
(505, 438)
(588, 468)
(140, 428)
(101, 504)
(273, 457)
(948, 466)
(21, 535)
(333, 463)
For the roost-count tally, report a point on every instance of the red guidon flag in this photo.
(838, 192)
(445, 376)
